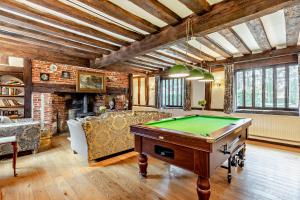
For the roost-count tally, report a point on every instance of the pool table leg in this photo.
(143, 164)
(203, 188)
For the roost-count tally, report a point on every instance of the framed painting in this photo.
(91, 82)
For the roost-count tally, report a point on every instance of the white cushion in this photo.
(8, 139)
(5, 119)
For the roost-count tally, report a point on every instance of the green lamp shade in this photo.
(208, 77)
(179, 71)
(196, 74)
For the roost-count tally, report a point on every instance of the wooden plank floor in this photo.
(271, 172)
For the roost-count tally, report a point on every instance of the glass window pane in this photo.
(239, 88)
(175, 92)
(269, 88)
(293, 86)
(280, 87)
(248, 88)
(258, 87)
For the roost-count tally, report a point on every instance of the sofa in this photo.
(97, 137)
(27, 132)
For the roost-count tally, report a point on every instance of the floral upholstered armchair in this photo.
(110, 133)
(27, 132)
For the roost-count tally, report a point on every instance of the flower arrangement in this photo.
(102, 109)
(202, 103)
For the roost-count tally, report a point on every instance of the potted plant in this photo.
(102, 109)
(202, 103)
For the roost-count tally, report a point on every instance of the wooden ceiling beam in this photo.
(235, 40)
(42, 36)
(43, 28)
(121, 14)
(40, 43)
(57, 21)
(20, 49)
(157, 59)
(292, 19)
(172, 54)
(141, 65)
(145, 61)
(158, 10)
(184, 56)
(197, 6)
(86, 17)
(258, 31)
(163, 57)
(192, 50)
(215, 47)
(222, 15)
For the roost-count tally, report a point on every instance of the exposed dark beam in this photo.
(57, 21)
(174, 55)
(147, 61)
(222, 15)
(293, 50)
(197, 6)
(121, 14)
(43, 28)
(20, 49)
(158, 10)
(157, 59)
(144, 63)
(258, 31)
(141, 66)
(40, 43)
(235, 40)
(292, 19)
(86, 17)
(213, 46)
(45, 37)
(192, 50)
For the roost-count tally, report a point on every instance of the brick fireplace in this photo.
(54, 100)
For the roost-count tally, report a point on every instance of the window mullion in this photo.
(244, 90)
(274, 87)
(287, 80)
(263, 87)
(253, 88)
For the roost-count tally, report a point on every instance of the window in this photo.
(268, 88)
(172, 90)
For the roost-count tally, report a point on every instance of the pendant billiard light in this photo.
(179, 71)
(196, 74)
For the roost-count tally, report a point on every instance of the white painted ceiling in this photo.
(203, 48)
(177, 7)
(134, 9)
(275, 28)
(223, 42)
(245, 34)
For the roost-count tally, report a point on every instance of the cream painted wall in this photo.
(16, 62)
(217, 95)
(142, 92)
(198, 92)
(151, 91)
(135, 91)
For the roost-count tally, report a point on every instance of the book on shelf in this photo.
(9, 102)
(11, 91)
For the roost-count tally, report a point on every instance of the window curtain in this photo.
(299, 81)
(187, 103)
(229, 94)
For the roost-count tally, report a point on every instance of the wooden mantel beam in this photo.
(222, 15)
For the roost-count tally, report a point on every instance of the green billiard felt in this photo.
(202, 125)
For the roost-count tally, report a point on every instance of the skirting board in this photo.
(275, 141)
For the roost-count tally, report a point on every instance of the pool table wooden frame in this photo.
(202, 155)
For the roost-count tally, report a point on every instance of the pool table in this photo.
(199, 143)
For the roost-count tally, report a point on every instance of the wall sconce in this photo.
(218, 83)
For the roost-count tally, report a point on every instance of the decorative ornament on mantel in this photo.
(188, 71)
(53, 68)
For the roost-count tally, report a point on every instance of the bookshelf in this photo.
(11, 96)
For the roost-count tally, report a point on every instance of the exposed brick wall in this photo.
(55, 108)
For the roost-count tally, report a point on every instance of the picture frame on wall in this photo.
(44, 76)
(91, 82)
(65, 75)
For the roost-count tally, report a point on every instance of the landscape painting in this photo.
(90, 82)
